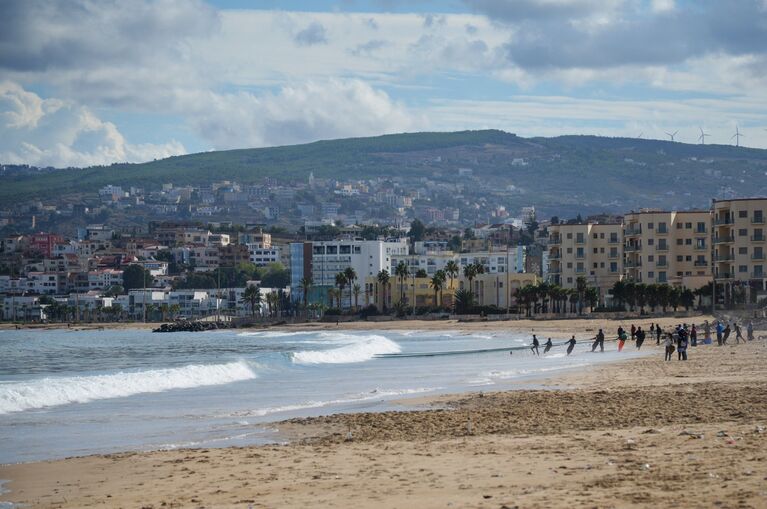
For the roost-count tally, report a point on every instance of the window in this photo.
(743, 250)
(602, 250)
(650, 258)
(613, 267)
(758, 218)
(688, 226)
(650, 226)
(579, 238)
(569, 235)
(688, 258)
(602, 265)
(679, 226)
(742, 268)
(758, 271)
(569, 280)
(650, 242)
(679, 242)
(602, 235)
(742, 213)
(579, 253)
(701, 228)
(596, 236)
(596, 250)
(661, 277)
(596, 265)
(700, 243)
(742, 232)
(679, 258)
(662, 228)
(579, 267)
(688, 242)
(650, 274)
(679, 274)
(569, 265)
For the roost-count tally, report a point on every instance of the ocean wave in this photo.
(45, 392)
(355, 349)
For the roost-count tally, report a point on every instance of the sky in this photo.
(87, 82)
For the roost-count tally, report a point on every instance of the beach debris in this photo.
(691, 434)
(759, 429)
(646, 466)
(630, 444)
(722, 434)
(651, 431)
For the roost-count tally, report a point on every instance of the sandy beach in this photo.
(641, 433)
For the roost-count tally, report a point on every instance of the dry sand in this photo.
(642, 432)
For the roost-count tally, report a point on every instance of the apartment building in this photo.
(739, 243)
(592, 251)
(668, 247)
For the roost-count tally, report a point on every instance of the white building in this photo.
(263, 256)
(103, 279)
(366, 257)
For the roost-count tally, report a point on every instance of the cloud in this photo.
(579, 34)
(52, 132)
(300, 113)
(313, 34)
(37, 35)
(368, 48)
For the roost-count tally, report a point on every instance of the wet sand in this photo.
(641, 432)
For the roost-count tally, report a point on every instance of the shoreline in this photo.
(555, 326)
(636, 432)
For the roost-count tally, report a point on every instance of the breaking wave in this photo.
(45, 392)
(355, 349)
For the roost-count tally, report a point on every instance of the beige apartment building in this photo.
(668, 247)
(739, 245)
(593, 251)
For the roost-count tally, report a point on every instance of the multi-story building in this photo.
(591, 250)
(739, 245)
(263, 256)
(328, 258)
(668, 247)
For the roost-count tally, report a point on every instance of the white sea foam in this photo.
(354, 349)
(19, 396)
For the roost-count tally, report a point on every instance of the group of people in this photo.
(676, 339)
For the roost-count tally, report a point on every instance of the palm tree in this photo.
(306, 285)
(356, 290)
(164, 310)
(471, 271)
(437, 282)
(653, 296)
(383, 278)
(619, 293)
(401, 271)
(630, 293)
(252, 297)
(464, 301)
(341, 282)
(175, 309)
(351, 276)
(332, 295)
(581, 285)
(640, 294)
(452, 270)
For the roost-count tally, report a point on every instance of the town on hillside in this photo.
(645, 261)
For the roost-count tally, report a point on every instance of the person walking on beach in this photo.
(726, 334)
(669, 344)
(571, 345)
(738, 333)
(682, 344)
(706, 333)
(633, 332)
(693, 336)
(600, 342)
(535, 346)
(621, 338)
(750, 330)
(640, 337)
(658, 333)
(547, 346)
(719, 332)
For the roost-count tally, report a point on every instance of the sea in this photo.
(73, 392)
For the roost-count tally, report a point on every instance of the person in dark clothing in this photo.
(681, 346)
(719, 332)
(726, 334)
(633, 332)
(547, 346)
(640, 337)
(535, 346)
(658, 333)
(571, 345)
(738, 333)
(600, 342)
(693, 336)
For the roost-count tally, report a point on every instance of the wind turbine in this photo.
(737, 136)
(702, 137)
(671, 135)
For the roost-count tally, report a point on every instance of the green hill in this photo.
(555, 173)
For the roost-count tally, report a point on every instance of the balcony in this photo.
(729, 239)
(554, 240)
(613, 256)
(757, 256)
(758, 275)
(661, 247)
(724, 275)
(613, 241)
(632, 265)
(661, 264)
(555, 270)
(631, 249)
(723, 221)
(555, 256)
(633, 231)
(701, 263)
(701, 231)
(700, 248)
(757, 220)
(723, 258)
(662, 231)
(758, 238)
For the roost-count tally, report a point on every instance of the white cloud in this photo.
(52, 132)
(663, 5)
(304, 112)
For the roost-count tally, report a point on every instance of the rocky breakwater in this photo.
(190, 326)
